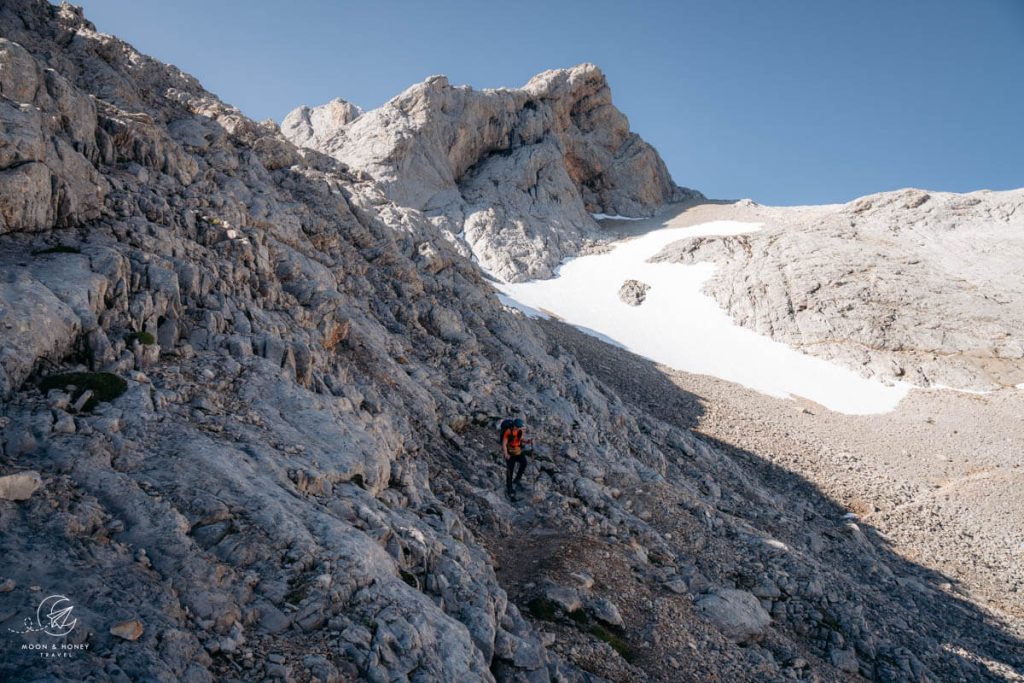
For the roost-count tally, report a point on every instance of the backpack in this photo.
(507, 423)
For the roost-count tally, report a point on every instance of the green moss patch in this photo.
(59, 249)
(145, 338)
(409, 578)
(542, 608)
(579, 616)
(617, 643)
(298, 589)
(104, 386)
(545, 610)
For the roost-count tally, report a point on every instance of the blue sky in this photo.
(787, 102)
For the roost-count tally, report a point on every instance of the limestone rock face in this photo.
(46, 175)
(514, 174)
(915, 286)
(178, 201)
(606, 611)
(312, 127)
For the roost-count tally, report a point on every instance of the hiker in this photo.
(512, 447)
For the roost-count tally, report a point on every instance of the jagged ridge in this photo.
(512, 173)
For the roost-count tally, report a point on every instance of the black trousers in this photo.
(517, 463)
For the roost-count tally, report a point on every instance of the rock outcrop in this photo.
(262, 398)
(514, 174)
(52, 138)
(915, 286)
(633, 292)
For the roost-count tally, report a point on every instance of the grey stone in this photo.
(633, 292)
(321, 668)
(281, 672)
(64, 423)
(844, 660)
(606, 611)
(736, 613)
(79, 404)
(584, 579)
(568, 599)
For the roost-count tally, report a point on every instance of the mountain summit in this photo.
(513, 174)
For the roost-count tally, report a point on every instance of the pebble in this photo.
(585, 580)
(82, 400)
(128, 630)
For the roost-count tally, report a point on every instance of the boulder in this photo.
(19, 486)
(19, 73)
(633, 292)
(567, 599)
(584, 579)
(606, 611)
(737, 614)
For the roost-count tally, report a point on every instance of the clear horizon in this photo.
(786, 103)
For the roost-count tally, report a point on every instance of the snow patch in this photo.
(611, 217)
(681, 327)
(977, 392)
(509, 302)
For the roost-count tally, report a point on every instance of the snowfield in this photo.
(679, 326)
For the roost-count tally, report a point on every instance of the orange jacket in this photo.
(513, 440)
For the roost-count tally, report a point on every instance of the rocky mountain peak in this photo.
(302, 125)
(567, 84)
(511, 175)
